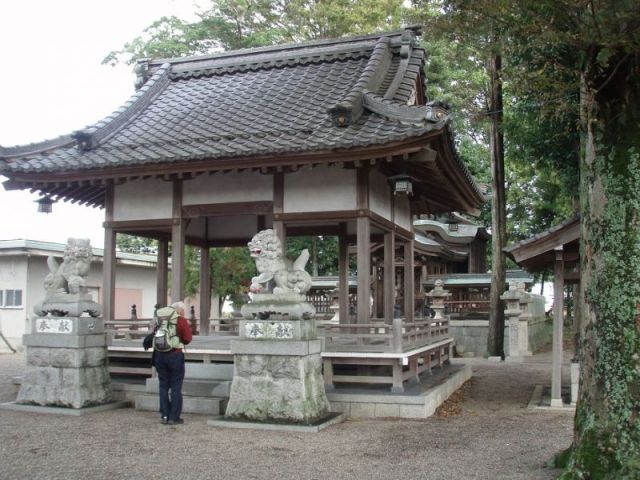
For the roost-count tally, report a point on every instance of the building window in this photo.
(11, 298)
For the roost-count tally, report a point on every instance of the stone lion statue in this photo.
(68, 276)
(276, 274)
(64, 284)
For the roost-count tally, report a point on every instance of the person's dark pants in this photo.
(170, 368)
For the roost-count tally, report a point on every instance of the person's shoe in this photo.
(164, 420)
(178, 421)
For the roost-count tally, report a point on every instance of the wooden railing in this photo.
(223, 326)
(128, 329)
(397, 337)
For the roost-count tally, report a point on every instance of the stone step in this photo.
(209, 371)
(196, 387)
(200, 405)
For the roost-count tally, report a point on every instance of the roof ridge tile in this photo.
(92, 135)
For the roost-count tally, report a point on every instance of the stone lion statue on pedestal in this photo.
(65, 292)
(277, 274)
(280, 286)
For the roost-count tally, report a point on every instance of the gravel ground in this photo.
(494, 436)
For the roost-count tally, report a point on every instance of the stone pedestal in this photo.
(277, 372)
(66, 363)
(515, 298)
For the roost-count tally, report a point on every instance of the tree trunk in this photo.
(607, 427)
(495, 336)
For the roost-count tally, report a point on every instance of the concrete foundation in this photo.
(420, 400)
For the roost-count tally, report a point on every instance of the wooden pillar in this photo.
(364, 268)
(205, 291)
(389, 276)
(177, 245)
(343, 274)
(278, 209)
(409, 282)
(109, 259)
(558, 307)
(363, 229)
(162, 273)
(261, 223)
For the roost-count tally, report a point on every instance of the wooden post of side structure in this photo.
(558, 308)
(409, 287)
(389, 287)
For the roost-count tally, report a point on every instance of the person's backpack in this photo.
(166, 337)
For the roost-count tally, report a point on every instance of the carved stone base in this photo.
(66, 364)
(277, 388)
(288, 305)
(68, 305)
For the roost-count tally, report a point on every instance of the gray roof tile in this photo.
(250, 103)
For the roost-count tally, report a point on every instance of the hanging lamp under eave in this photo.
(45, 204)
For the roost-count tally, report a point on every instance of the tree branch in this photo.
(613, 74)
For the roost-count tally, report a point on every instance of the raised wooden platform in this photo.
(381, 353)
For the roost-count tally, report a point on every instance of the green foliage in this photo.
(133, 244)
(541, 142)
(191, 271)
(336, 18)
(234, 24)
(323, 251)
(231, 271)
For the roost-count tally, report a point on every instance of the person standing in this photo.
(171, 336)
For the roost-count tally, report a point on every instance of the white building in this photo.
(23, 267)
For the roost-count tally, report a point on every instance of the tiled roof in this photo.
(265, 102)
(316, 97)
(544, 234)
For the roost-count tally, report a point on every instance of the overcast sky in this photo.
(52, 83)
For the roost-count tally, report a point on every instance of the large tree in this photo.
(607, 429)
(604, 37)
